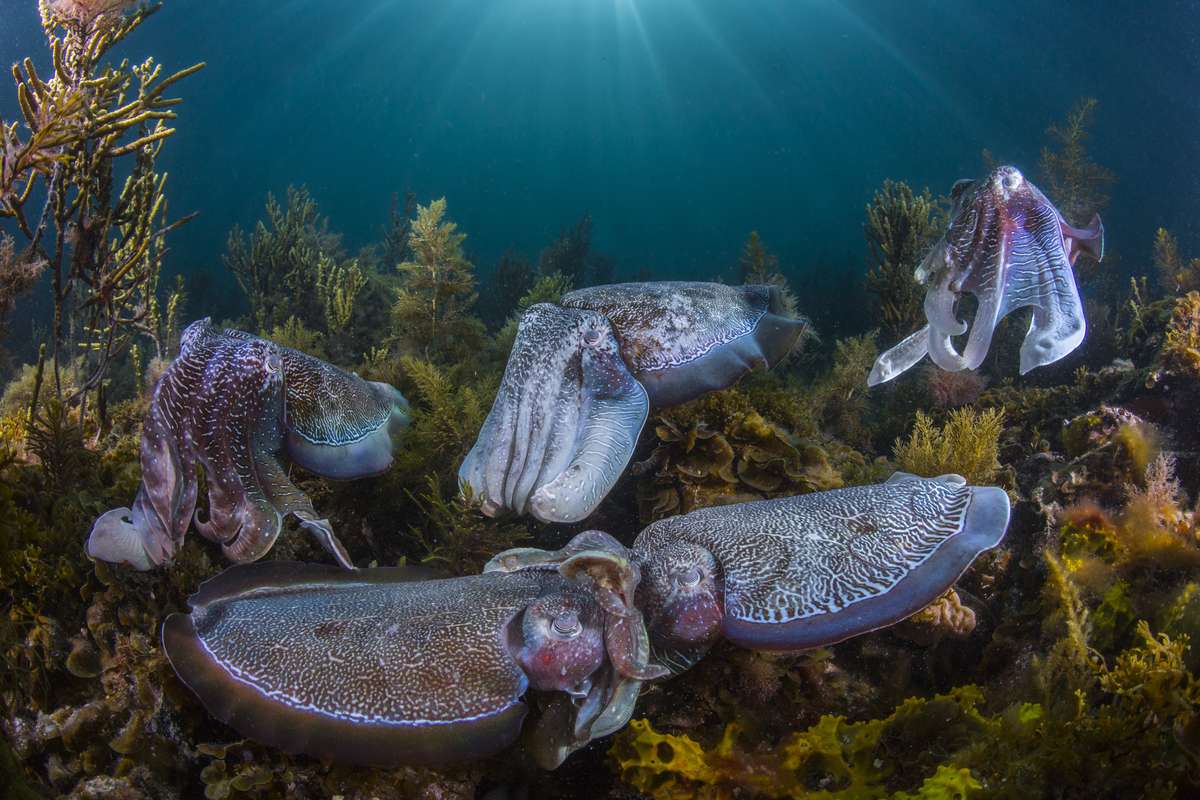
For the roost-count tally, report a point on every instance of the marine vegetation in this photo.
(968, 445)
(302, 289)
(1176, 274)
(718, 450)
(1077, 184)
(571, 255)
(79, 182)
(900, 227)
(431, 316)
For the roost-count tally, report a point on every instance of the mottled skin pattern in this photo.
(377, 666)
(664, 324)
(327, 405)
(582, 376)
(223, 405)
(1011, 248)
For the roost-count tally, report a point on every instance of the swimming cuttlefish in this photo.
(583, 375)
(233, 404)
(1011, 248)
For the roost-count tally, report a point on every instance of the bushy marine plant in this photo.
(967, 445)
(432, 314)
(100, 236)
(900, 227)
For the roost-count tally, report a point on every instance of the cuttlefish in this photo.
(1007, 245)
(583, 375)
(234, 405)
(386, 667)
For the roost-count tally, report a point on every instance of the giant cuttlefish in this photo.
(1011, 248)
(232, 403)
(583, 374)
(380, 666)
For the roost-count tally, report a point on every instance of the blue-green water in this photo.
(679, 125)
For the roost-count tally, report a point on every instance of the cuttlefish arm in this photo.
(812, 570)
(682, 339)
(150, 532)
(382, 666)
(564, 422)
(1011, 248)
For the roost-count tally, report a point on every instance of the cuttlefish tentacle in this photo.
(228, 404)
(602, 564)
(1011, 248)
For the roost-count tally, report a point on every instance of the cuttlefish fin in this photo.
(1089, 240)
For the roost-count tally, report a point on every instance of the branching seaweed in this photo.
(101, 238)
(900, 227)
(967, 445)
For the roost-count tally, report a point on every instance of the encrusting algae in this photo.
(1062, 664)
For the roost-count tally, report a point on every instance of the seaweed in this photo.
(455, 536)
(277, 265)
(900, 227)
(1130, 739)
(431, 316)
(967, 445)
(1181, 345)
(1076, 184)
(89, 136)
(756, 265)
(571, 255)
(745, 457)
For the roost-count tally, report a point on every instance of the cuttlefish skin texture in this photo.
(379, 666)
(811, 570)
(682, 339)
(582, 376)
(231, 403)
(1011, 248)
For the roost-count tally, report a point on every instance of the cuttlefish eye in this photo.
(1011, 179)
(683, 597)
(561, 641)
(689, 579)
(566, 625)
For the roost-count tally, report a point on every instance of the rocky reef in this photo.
(1063, 664)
